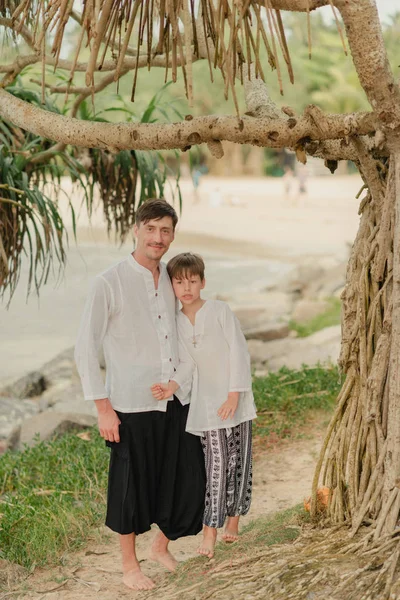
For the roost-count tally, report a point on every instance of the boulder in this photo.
(61, 392)
(31, 385)
(321, 347)
(330, 284)
(271, 331)
(306, 310)
(13, 412)
(49, 423)
(60, 367)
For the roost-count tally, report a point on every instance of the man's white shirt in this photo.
(135, 325)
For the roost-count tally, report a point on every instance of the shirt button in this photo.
(166, 337)
(170, 360)
(159, 316)
(156, 294)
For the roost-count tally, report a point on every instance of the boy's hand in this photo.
(228, 408)
(163, 391)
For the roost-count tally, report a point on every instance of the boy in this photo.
(222, 404)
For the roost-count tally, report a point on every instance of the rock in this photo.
(271, 331)
(61, 367)
(262, 312)
(261, 373)
(300, 278)
(323, 346)
(79, 406)
(31, 385)
(326, 335)
(13, 438)
(12, 412)
(331, 282)
(305, 310)
(60, 392)
(49, 423)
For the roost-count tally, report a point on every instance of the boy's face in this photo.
(187, 289)
(154, 237)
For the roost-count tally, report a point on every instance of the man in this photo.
(156, 472)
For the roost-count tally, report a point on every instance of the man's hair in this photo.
(185, 265)
(155, 208)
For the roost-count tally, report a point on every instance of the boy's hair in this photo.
(155, 208)
(184, 265)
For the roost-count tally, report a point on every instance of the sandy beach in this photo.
(248, 232)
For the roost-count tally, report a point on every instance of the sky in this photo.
(385, 9)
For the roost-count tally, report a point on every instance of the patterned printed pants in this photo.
(228, 461)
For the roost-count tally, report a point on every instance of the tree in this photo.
(360, 458)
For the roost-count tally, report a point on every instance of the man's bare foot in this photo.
(165, 558)
(160, 553)
(231, 532)
(136, 580)
(207, 546)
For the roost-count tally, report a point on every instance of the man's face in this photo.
(154, 237)
(188, 289)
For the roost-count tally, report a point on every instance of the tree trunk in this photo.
(360, 458)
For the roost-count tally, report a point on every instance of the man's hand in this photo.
(163, 391)
(228, 408)
(107, 420)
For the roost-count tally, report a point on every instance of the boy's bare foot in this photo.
(160, 553)
(231, 532)
(136, 580)
(207, 546)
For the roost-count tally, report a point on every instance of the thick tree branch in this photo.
(364, 34)
(296, 5)
(274, 133)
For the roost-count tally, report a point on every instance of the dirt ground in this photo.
(282, 478)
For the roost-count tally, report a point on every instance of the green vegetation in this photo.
(52, 494)
(286, 398)
(330, 317)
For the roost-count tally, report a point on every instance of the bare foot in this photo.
(165, 558)
(136, 580)
(207, 546)
(231, 532)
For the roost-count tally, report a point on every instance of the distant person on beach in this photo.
(156, 471)
(222, 404)
(301, 176)
(288, 180)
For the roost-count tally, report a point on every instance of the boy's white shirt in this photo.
(222, 366)
(135, 325)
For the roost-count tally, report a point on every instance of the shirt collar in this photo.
(141, 269)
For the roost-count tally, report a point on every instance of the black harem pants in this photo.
(156, 474)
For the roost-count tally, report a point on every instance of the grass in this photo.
(286, 399)
(52, 495)
(331, 316)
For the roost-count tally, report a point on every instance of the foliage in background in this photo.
(31, 169)
(52, 493)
